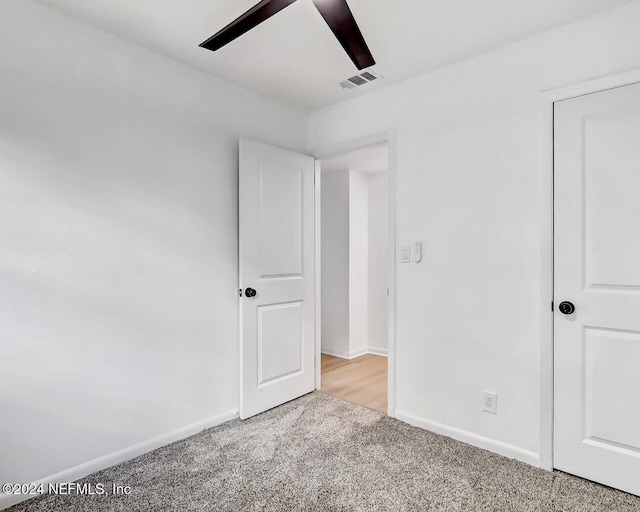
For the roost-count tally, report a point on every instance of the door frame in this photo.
(330, 150)
(547, 99)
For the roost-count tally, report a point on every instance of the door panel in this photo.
(597, 268)
(612, 207)
(608, 397)
(280, 231)
(280, 341)
(276, 252)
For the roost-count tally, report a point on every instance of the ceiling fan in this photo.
(335, 12)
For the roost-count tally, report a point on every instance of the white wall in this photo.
(358, 263)
(335, 262)
(468, 317)
(378, 267)
(118, 242)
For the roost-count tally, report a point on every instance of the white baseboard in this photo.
(335, 353)
(354, 353)
(111, 459)
(357, 353)
(507, 450)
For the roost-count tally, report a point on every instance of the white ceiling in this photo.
(369, 160)
(294, 58)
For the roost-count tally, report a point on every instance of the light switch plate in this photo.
(417, 252)
(405, 254)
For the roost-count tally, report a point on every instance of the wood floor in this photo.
(362, 380)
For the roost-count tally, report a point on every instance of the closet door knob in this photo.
(566, 308)
(250, 292)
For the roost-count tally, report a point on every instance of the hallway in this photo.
(361, 381)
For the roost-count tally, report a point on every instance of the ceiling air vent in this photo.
(359, 80)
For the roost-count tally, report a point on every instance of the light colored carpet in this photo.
(320, 453)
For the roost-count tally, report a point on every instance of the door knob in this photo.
(566, 308)
(250, 292)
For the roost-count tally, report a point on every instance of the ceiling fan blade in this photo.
(250, 19)
(341, 21)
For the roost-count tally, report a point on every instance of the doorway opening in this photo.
(355, 249)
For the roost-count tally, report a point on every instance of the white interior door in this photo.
(597, 268)
(276, 250)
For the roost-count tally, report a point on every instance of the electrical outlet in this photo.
(490, 403)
